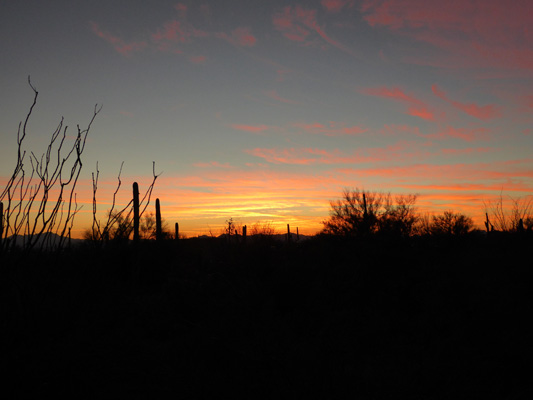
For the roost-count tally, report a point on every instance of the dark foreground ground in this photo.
(321, 319)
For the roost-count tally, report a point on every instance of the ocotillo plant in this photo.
(136, 217)
(158, 230)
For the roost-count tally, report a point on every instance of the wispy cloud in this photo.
(466, 134)
(335, 6)
(198, 59)
(487, 112)
(121, 46)
(314, 156)
(416, 107)
(213, 164)
(239, 37)
(467, 151)
(453, 173)
(251, 128)
(273, 94)
(495, 34)
(331, 129)
(298, 23)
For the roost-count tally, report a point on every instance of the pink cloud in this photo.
(468, 135)
(239, 37)
(332, 129)
(313, 156)
(481, 112)
(453, 172)
(467, 151)
(393, 129)
(274, 95)
(335, 6)
(494, 33)
(197, 59)
(120, 45)
(251, 128)
(296, 23)
(416, 107)
(172, 31)
(180, 7)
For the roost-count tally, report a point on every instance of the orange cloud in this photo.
(417, 108)
(468, 135)
(310, 156)
(484, 112)
(455, 172)
(469, 150)
(212, 164)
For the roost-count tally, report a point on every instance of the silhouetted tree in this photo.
(451, 224)
(362, 213)
(148, 227)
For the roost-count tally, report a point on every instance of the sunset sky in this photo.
(266, 110)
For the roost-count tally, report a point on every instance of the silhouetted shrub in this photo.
(451, 224)
(363, 213)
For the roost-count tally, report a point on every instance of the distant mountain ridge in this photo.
(46, 240)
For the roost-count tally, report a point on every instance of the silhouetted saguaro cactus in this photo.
(488, 225)
(1, 221)
(177, 231)
(297, 234)
(520, 227)
(288, 233)
(158, 229)
(136, 218)
(244, 234)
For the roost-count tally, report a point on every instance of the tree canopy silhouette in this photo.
(361, 213)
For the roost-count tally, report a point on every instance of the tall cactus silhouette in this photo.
(244, 234)
(158, 229)
(136, 218)
(1, 221)
(488, 225)
(177, 231)
(288, 233)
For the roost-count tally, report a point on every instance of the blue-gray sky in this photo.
(265, 110)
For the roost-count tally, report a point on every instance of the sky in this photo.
(264, 111)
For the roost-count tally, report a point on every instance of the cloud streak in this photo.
(121, 46)
(485, 113)
(251, 128)
(496, 33)
(416, 107)
(297, 23)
